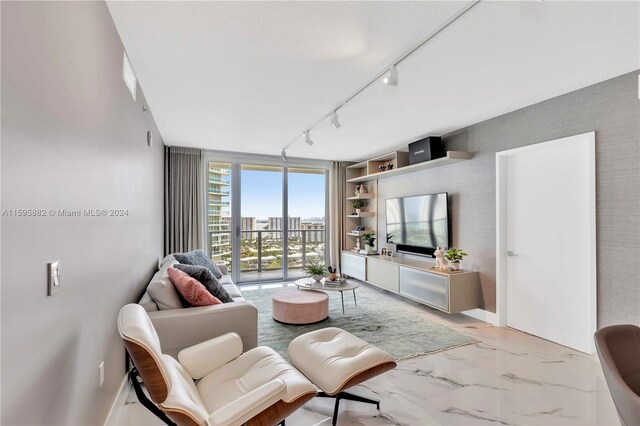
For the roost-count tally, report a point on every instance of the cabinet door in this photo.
(383, 274)
(432, 289)
(353, 266)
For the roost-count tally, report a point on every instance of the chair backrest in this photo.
(168, 383)
(618, 348)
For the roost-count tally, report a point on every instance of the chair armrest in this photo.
(248, 405)
(181, 328)
(203, 358)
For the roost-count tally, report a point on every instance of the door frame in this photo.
(501, 226)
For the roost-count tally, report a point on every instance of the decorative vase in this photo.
(455, 266)
(358, 211)
(333, 276)
(317, 277)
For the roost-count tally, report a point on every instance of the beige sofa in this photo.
(179, 327)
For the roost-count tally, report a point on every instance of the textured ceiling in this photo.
(249, 76)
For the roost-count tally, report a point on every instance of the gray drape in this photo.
(337, 184)
(183, 211)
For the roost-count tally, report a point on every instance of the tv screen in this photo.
(420, 221)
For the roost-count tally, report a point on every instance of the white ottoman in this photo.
(335, 360)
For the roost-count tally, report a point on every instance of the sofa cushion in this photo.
(199, 258)
(162, 290)
(206, 278)
(191, 289)
(232, 290)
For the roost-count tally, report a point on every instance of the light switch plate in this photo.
(54, 278)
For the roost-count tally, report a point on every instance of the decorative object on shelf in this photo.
(358, 205)
(389, 253)
(455, 255)
(332, 276)
(369, 240)
(383, 251)
(363, 189)
(360, 228)
(441, 262)
(315, 270)
(390, 166)
(357, 190)
(382, 167)
(356, 248)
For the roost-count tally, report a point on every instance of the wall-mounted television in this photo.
(418, 224)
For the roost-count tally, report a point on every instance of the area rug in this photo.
(378, 319)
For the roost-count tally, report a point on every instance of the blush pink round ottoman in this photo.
(300, 306)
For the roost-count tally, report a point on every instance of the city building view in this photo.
(261, 233)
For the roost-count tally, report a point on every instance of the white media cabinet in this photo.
(450, 292)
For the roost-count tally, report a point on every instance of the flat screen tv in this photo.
(418, 224)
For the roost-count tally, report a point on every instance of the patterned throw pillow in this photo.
(199, 258)
(193, 292)
(206, 278)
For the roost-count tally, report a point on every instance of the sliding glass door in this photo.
(261, 223)
(246, 230)
(306, 207)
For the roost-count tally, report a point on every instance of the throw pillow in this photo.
(192, 291)
(199, 258)
(206, 278)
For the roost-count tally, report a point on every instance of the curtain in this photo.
(183, 197)
(337, 183)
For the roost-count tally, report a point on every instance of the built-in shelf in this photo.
(362, 197)
(360, 234)
(450, 158)
(362, 214)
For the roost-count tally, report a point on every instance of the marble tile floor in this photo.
(508, 377)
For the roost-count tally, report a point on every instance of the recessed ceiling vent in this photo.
(129, 76)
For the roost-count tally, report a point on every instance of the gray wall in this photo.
(73, 138)
(612, 109)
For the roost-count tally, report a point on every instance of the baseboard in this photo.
(119, 401)
(482, 315)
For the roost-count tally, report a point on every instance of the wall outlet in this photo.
(53, 283)
(101, 369)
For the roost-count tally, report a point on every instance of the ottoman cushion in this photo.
(330, 357)
(300, 306)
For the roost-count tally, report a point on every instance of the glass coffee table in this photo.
(310, 283)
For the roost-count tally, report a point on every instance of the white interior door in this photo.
(548, 241)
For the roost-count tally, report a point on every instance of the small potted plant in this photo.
(369, 240)
(455, 255)
(358, 205)
(315, 270)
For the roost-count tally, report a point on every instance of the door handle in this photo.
(511, 254)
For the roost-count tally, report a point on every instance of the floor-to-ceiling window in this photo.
(261, 222)
(247, 202)
(307, 231)
(219, 213)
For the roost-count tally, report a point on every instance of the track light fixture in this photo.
(307, 138)
(391, 79)
(334, 121)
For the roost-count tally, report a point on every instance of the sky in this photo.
(262, 194)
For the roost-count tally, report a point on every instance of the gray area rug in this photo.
(378, 319)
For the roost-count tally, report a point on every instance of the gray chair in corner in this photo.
(618, 348)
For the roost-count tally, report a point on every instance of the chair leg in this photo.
(350, 397)
(142, 397)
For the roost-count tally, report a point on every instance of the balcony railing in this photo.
(261, 250)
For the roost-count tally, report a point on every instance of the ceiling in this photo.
(250, 76)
